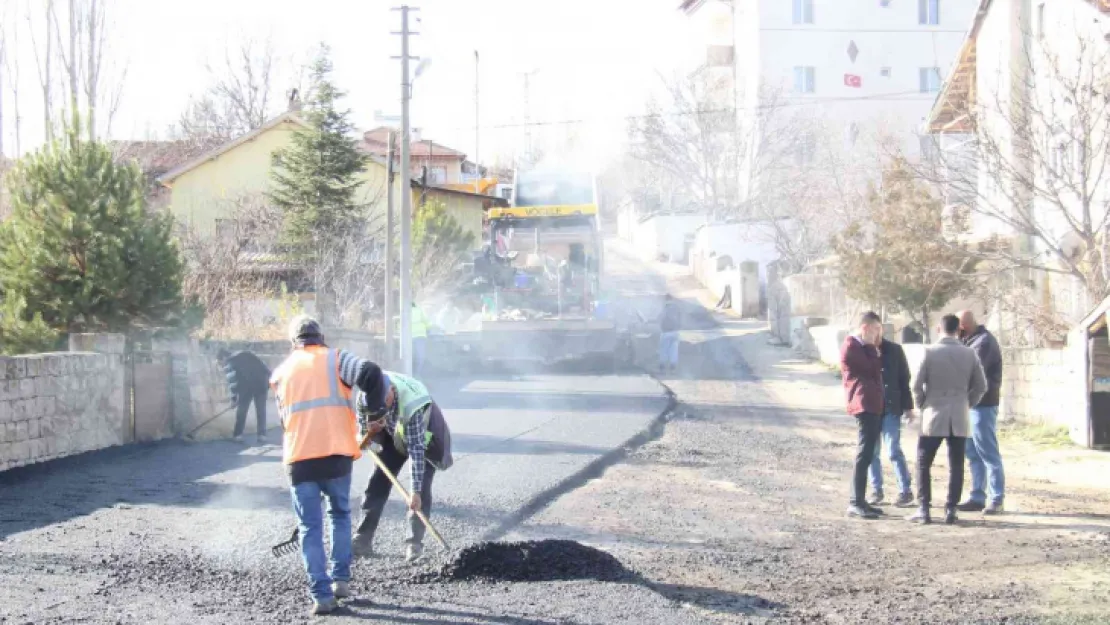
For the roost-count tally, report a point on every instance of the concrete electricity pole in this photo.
(477, 126)
(389, 225)
(406, 195)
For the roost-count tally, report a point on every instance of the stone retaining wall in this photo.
(59, 404)
(1046, 386)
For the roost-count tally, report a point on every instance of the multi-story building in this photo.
(856, 71)
(445, 165)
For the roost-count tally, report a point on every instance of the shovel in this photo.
(214, 417)
(292, 545)
(419, 513)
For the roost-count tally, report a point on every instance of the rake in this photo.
(288, 547)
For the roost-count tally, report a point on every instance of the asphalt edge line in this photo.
(592, 470)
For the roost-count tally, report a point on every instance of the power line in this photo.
(884, 97)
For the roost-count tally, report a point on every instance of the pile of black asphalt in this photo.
(529, 561)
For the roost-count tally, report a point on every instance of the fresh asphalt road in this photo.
(179, 532)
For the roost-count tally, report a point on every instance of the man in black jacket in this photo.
(248, 380)
(898, 401)
(983, 456)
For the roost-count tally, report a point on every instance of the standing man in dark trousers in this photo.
(898, 403)
(248, 380)
(861, 368)
(408, 426)
(948, 383)
(983, 455)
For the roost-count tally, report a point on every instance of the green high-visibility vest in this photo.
(419, 323)
(411, 396)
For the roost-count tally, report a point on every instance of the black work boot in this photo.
(950, 515)
(861, 512)
(362, 546)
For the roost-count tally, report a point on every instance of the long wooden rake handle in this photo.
(408, 498)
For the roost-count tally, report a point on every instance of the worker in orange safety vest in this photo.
(313, 389)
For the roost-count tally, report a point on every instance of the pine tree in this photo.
(906, 255)
(316, 178)
(80, 249)
(21, 333)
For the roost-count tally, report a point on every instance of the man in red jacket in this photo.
(861, 368)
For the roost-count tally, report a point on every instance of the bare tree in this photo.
(776, 166)
(10, 66)
(43, 65)
(240, 97)
(798, 181)
(3, 69)
(83, 58)
(692, 142)
(350, 270)
(1039, 178)
(219, 269)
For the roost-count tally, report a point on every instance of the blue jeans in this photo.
(984, 458)
(668, 348)
(419, 345)
(310, 516)
(892, 439)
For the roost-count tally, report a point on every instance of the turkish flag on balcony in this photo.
(851, 80)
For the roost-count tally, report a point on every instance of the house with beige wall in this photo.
(205, 189)
(211, 187)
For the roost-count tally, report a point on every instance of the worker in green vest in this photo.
(419, 339)
(410, 426)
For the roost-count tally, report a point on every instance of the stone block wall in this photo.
(59, 404)
(1046, 386)
(200, 387)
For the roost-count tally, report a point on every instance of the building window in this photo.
(930, 151)
(805, 79)
(852, 134)
(929, 79)
(437, 175)
(928, 12)
(507, 193)
(805, 151)
(884, 72)
(803, 11)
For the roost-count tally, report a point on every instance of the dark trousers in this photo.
(379, 487)
(870, 428)
(927, 447)
(244, 404)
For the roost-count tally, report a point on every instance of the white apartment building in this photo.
(863, 69)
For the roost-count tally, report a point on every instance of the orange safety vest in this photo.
(315, 406)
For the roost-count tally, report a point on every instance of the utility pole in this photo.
(389, 301)
(528, 113)
(406, 195)
(477, 127)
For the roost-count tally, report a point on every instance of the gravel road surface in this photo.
(180, 533)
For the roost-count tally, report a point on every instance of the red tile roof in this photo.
(157, 157)
(376, 142)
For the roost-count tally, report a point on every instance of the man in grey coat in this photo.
(948, 383)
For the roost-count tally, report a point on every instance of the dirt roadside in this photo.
(737, 512)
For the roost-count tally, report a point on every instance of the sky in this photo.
(591, 60)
